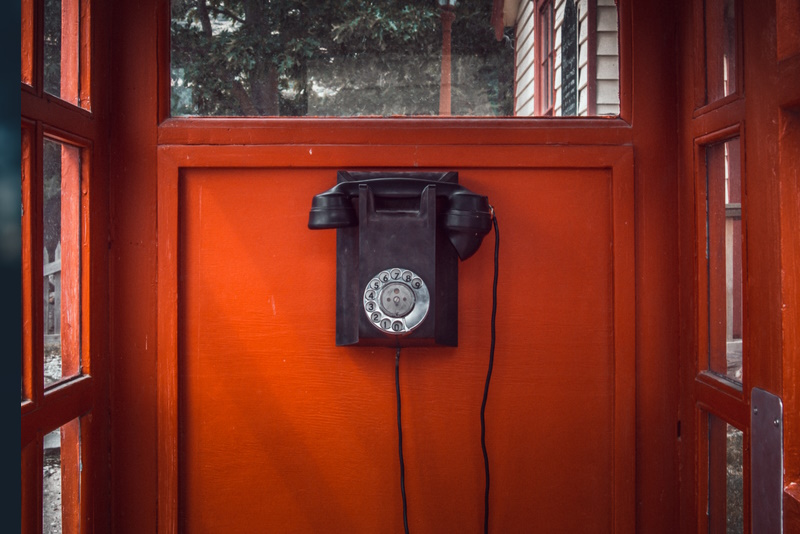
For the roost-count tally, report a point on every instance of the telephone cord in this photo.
(489, 373)
(483, 403)
(400, 439)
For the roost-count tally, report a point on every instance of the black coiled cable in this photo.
(400, 440)
(489, 374)
(483, 403)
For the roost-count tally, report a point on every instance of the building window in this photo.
(341, 58)
(567, 58)
(546, 57)
(724, 257)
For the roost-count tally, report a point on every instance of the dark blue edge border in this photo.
(10, 264)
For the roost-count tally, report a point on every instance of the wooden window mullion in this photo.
(715, 205)
(70, 50)
(85, 55)
(70, 476)
(36, 274)
(28, 260)
(735, 186)
(70, 260)
(591, 58)
(27, 49)
(717, 474)
(545, 54)
(31, 467)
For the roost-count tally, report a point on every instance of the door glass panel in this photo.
(720, 33)
(61, 257)
(52, 47)
(385, 58)
(61, 36)
(724, 250)
(725, 477)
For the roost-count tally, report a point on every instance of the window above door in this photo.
(387, 59)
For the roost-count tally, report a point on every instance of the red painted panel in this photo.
(280, 429)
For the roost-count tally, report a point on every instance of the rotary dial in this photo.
(396, 301)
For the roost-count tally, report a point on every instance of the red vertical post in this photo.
(70, 267)
(735, 188)
(591, 60)
(717, 474)
(70, 46)
(448, 15)
(27, 35)
(715, 250)
(70, 477)
(70, 260)
(28, 278)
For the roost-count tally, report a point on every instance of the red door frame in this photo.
(140, 116)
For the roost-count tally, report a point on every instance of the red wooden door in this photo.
(739, 268)
(247, 417)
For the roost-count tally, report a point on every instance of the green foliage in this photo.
(52, 47)
(348, 57)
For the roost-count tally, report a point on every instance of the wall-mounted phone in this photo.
(399, 238)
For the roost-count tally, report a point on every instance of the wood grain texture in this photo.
(132, 265)
(516, 145)
(312, 425)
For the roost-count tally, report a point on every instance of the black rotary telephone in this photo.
(399, 238)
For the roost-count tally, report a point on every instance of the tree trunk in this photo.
(264, 81)
(205, 20)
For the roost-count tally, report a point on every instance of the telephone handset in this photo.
(399, 238)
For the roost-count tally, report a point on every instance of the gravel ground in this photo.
(51, 473)
(52, 363)
(51, 489)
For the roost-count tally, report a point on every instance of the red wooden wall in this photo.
(161, 256)
(267, 406)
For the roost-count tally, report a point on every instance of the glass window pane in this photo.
(61, 479)
(720, 29)
(724, 247)
(725, 477)
(61, 257)
(52, 47)
(61, 38)
(385, 58)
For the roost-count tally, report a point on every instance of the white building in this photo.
(567, 55)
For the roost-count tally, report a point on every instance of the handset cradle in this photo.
(392, 226)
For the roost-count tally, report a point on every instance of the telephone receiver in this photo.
(399, 238)
(467, 217)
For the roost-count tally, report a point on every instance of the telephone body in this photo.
(399, 238)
